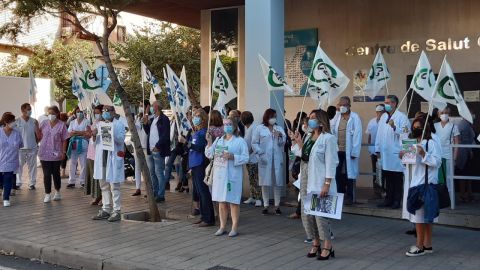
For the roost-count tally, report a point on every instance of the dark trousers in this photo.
(6, 180)
(394, 186)
(206, 205)
(344, 185)
(51, 169)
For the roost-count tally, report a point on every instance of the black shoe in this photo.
(31, 187)
(167, 186)
(278, 212)
(385, 205)
(17, 187)
(313, 254)
(411, 232)
(265, 211)
(71, 186)
(177, 188)
(330, 253)
(395, 205)
(138, 192)
(159, 200)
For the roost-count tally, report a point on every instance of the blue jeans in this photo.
(156, 165)
(7, 178)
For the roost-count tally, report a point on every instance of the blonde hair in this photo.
(203, 115)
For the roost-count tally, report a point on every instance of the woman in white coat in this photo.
(429, 160)
(268, 144)
(322, 165)
(231, 153)
(348, 130)
(109, 168)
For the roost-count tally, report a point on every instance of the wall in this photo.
(360, 23)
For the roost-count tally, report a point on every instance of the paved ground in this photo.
(63, 233)
(16, 263)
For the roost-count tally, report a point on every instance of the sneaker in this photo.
(57, 196)
(71, 186)
(31, 187)
(332, 237)
(428, 250)
(83, 185)
(415, 252)
(220, 232)
(278, 212)
(101, 215)
(6, 203)
(258, 203)
(233, 234)
(265, 211)
(249, 201)
(115, 216)
(308, 241)
(48, 198)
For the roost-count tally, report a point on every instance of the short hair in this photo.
(55, 110)
(216, 119)
(393, 98)
(236, 131)
(322, 118)
(207, 109)
(331, 112)
(7, 118)
(447, 110)
(25, 106)
(63, 117)
(269, 113)
(76, 108)
(246, 117)
(203, 115)
(347, 99)
(98, 107)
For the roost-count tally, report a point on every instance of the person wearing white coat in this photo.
(231, 153)
(320, 149)
(268, 144)
(348, 130)
(109, 168)
(392, 128)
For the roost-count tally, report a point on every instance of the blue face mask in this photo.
(152, 111)
(388, 107)
(313, 123)
(97, 117)
(106, 115)
(228, 129)
(196, 121)
(29, 113)
(80, 115)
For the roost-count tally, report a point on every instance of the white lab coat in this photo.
(353, 144)
(270, 155)
(323, 163)
(227, 180)
(115, 164)
(388, 141)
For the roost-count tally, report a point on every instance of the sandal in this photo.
(313, 254)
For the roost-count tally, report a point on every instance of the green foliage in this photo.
(157, 45)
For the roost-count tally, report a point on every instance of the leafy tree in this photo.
(158, 44)
(55, 63)
(25, 10)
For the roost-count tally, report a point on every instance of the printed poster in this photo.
(409, 148)
(330, 206)
(219, 160)
(106, 136)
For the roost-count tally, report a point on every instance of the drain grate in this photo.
(218, 267)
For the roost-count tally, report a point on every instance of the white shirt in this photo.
(372, 131)
(75, 126)
(154, 136)
(141, 132)
(27, 130)
(446, 134)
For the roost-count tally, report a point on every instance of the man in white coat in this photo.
(393, 126)
(348, 130)
(109, 167)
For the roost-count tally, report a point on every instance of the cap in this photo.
(379, 108)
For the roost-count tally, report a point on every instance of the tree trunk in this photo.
(103, 47)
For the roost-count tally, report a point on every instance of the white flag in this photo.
(272, 78)
(378, 76)
(447, 90)
(326, 81)
(222, 85)
(152, 98)
(423, 81)
(32, 94)
(147, 77)
(181, 99)
(183, 78)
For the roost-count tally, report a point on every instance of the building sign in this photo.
(408, 46)
(471, 96)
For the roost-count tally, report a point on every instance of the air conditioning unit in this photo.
(66, 31)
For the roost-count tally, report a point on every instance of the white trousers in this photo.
(111, 196)
(29, 157)
(277, 193)
(75, 159)
(138, 170)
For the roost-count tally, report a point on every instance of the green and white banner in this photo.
(222, 85)
(272, 78)
(378, 76)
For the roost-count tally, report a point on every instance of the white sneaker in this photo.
(249, 201)
(258, 203)
(48, 198)
(57, 196)
(6, 203)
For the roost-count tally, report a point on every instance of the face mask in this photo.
(52, 117)
(417, 132)
(97, 117)
(312, 123)
(12, 125)
(228, 129)
(29, 113)
(272, 121)
(444, 117)
(388, 107)
(196, 121)
(152, 111)
(106, 115)
(304, 129)
(343, 109)
(80, 115)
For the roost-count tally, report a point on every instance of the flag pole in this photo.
(410, 104)
(281, 112)
(404, 97)
(385, 67)
(143, 88)
(210, 101)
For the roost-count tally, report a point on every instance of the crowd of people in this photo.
(323, 149)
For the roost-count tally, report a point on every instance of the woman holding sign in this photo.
(230, 153)
(320, 148)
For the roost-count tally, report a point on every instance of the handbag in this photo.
(208, 180)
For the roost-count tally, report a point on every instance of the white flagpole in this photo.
(210, 93)
(384, 68)
(143, 88)
(404, 97)
(281, 112)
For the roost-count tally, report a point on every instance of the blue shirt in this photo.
(198, 143)
(9, 148)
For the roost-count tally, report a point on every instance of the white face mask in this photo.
(444, 117)
(12, 125)
(52, 117)
(343, 109)
(272, 121)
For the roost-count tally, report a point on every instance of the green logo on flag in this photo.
(423, 74)
(274, 79)
(88, 76)
(377, 71)
(222, 82)
(116, 100)
(451, 82)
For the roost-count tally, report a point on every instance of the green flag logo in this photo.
(423, 74)
(452, 83)
(116, 100)
(222, 82)
(87, 77)
(274, 79)
(377, 71)
(323, 68)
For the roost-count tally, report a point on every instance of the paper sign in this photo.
(219, 161)
(106, 135)
(330, 206)
(409, 148)
(424, 107)
(471, 96)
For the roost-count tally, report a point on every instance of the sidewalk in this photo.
(63, 233)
